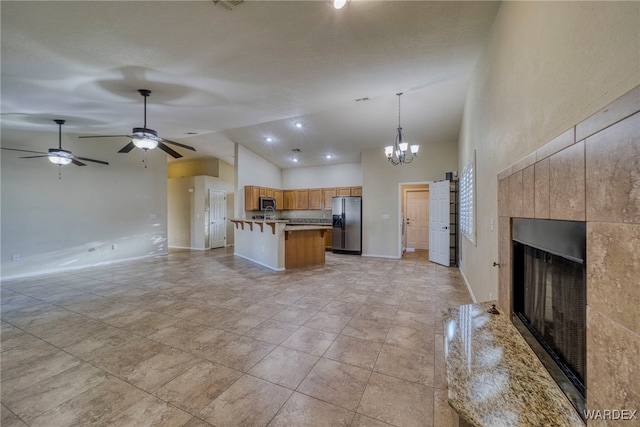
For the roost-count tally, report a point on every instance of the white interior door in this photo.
(439, 222)
(417, 219)
(217, 219)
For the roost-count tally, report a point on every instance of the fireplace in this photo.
(549, 298)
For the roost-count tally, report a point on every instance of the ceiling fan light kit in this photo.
(145, 138)
(397, 154)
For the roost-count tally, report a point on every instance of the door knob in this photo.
(445, 228)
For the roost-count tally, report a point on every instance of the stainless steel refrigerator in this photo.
(347, 225)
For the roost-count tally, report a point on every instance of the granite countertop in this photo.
(494, 378)
(301, 227)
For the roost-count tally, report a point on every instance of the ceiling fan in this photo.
(58, 156)
(145, 138)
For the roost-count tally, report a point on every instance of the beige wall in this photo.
(545, 67)
(53, 223)
(347, 175)
(187, 218)
(381, 196)
(251, 169)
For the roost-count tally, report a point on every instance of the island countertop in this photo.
(300, 227)
(494, 378)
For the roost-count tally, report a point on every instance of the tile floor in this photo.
(208, 339)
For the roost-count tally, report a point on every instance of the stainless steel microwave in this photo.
(267, 203)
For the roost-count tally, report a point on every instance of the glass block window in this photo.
(467, 199)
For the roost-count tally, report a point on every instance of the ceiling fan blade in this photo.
(34, 157)
(24, 151)
(169, 151)
(168, 141)
(92, 160)
(77, 163)
(103, 136)
(127, 148)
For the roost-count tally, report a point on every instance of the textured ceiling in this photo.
(244, 74)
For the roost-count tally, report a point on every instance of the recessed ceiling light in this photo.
(339, 4)
(269, 139)
(328, 156)
(298, 124)
(294, 160)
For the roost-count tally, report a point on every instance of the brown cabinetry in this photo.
(343, 191)
(279, 196)
(328, 239)
(316, 202)
(302, 200)
(251, 196)
(289, 199)
(328, 194)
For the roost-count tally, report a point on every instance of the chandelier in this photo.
(397, 154)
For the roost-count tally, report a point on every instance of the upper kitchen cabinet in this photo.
(289, 199)
(279, 196)
(343, 191)
(269, 192)
(328, 194)
(316, 201)
(251, 198)
(356, 191)
(302, 199)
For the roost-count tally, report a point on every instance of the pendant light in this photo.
(397, 154)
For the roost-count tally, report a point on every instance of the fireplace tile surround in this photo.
(591, 173)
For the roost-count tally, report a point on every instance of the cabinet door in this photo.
(270, 192)
(289, 199)
(328, 239)
(356, 191)
(251, 195)
(328, 194)
(263, 192)
(279, 196)
(344, 191)
(302, 199)
(315, 199)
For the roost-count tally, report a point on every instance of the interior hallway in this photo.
(205, 338)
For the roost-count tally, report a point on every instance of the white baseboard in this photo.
(188, 248)
(259, 263)
(79, 267)
(466, 282)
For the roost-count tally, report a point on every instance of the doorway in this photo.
(414, 217)
(217, 219)
(417, 220)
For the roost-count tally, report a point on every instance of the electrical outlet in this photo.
(114, 247)
(15, 257)
(153, 216)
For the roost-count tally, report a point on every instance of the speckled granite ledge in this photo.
(493, 377)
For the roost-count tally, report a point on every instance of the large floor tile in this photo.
(310, 341)
(409, 365)
(285, 367)
(336, 383)
(249, 401)
(198, 387)
(354, 351)
(305, 411)
(398, 402)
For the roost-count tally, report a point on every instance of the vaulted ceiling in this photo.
(220, 76)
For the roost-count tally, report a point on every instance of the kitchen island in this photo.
(277, 245)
